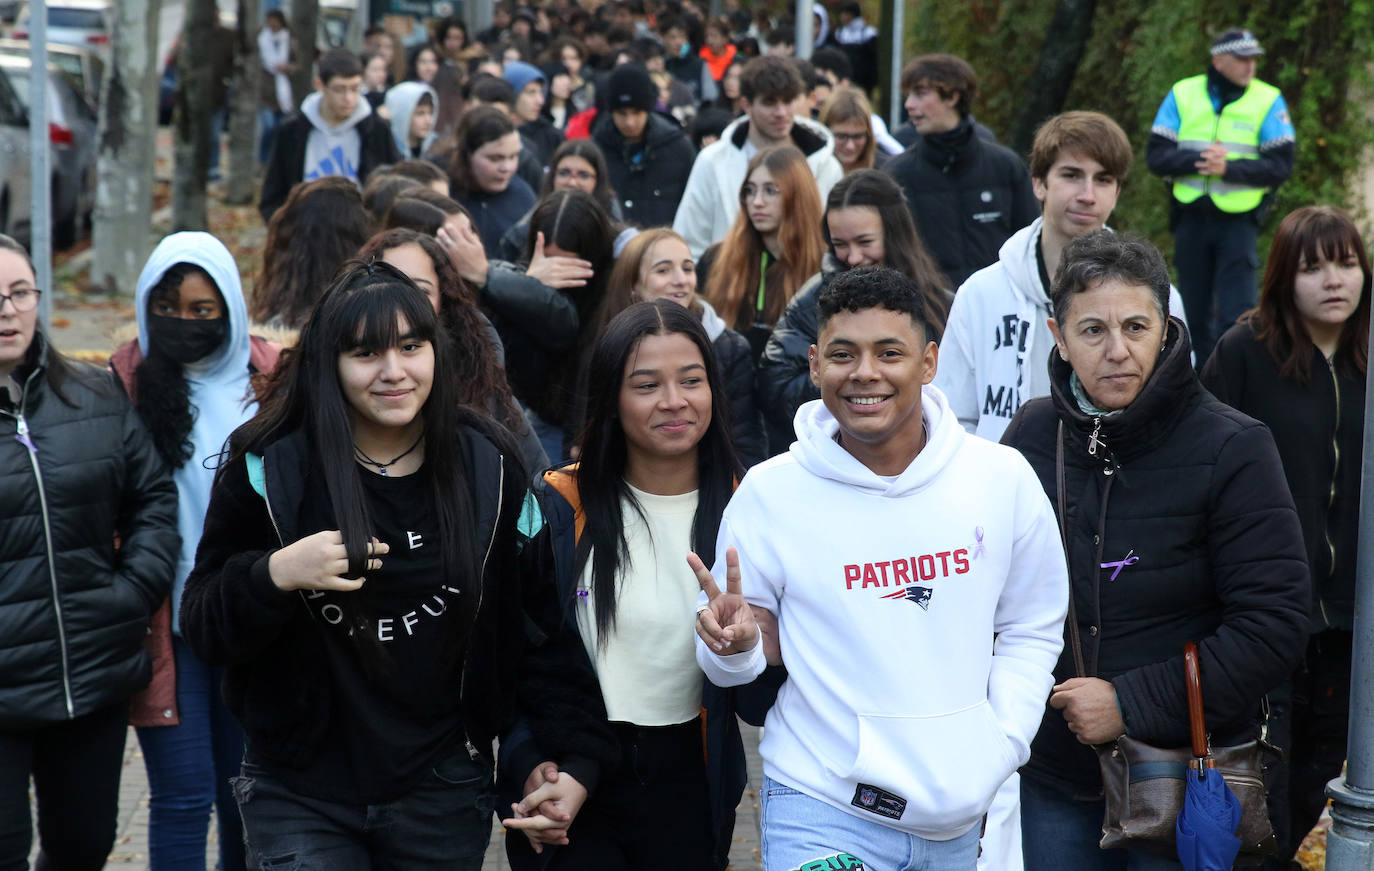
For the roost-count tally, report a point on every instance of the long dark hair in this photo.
(319, 227)
(363, 308)
(903, 249)
(163, 397)
(575, 222)
(600, 472)
(481, 379)
(1307, 235)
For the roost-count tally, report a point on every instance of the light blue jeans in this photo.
(801, 833)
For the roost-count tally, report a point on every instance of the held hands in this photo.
(1213, 160)
(726, 622)
(318, 562)
(1090, 709)
(552, 800)
(556, 271)
(464, 249)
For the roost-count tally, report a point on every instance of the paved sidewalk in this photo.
(131, 843)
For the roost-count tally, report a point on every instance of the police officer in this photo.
(1225, 140)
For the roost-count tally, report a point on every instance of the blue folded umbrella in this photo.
(1207, 823)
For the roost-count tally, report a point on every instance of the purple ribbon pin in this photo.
(1127, 560)
(979, 550)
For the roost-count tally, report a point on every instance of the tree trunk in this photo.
(191, 118)
(305, 16)
(1044, 95)
(126, 149)
(243, 110)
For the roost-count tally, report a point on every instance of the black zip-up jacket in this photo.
(648, 178)
(1184, 500)
(517, 658)
(88, 544)
(967, 196)
(726, 770)
(1319, 431)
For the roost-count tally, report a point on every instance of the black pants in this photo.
(1217, 260)
(1309, 719)
(75, 766)
(652, 811)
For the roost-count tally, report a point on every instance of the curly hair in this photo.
(481, 379)
(319, 227)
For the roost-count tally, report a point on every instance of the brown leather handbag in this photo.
(1143, 784)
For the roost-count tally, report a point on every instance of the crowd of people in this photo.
(637, 381)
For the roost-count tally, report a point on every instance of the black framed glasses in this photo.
(25, 299)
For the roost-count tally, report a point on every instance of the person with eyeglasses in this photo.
(88, 549)
(849, 118)
(578, 164)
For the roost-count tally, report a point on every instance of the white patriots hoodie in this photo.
(995, 349)
(920, 620)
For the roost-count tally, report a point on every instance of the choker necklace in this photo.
(382, 467)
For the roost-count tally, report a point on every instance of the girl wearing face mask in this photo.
(1297, 363)
(189, 375)
(657, 264)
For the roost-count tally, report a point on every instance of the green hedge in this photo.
(1318, 52)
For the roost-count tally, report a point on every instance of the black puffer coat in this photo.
(1198, 542)
(88, 544)
(967, 196)
(648, 182)
(1319, 431)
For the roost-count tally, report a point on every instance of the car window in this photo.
(12, 113)
(84, 19)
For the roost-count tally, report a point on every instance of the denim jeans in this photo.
(1061, 833)
(799, 830)
(189, 767)
(444, 822)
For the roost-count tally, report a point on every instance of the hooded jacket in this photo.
(648, 177)
(968, 196)
(1179, 528)
(221, 396)
(997, 337)
(899, 707)
(305, 148)
(400, 102)
(88, 544)
(711, 200)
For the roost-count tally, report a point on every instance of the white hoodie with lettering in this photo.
(920, 619)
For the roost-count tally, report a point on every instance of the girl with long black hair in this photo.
(656, 471)
(359, 576)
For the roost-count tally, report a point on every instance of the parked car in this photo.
(14, 163)
(72, 134)
(80, 62)
(73, 22)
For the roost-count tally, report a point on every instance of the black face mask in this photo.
(186, 340)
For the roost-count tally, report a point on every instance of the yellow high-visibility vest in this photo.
(1238, 130)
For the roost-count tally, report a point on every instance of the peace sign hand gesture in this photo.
(726, 622)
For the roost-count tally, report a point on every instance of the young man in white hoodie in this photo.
(334, 133)
(997, 340)
(918, 585)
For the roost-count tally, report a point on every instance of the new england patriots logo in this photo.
(919, 595)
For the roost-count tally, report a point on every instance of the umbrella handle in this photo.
(1192, 674)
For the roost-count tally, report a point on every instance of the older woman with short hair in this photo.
(1179, 527)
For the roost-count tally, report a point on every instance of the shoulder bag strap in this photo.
(1064, 539)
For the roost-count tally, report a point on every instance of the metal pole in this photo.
(806, 23)
(896, 98)
(40, 158)
(1350, 841)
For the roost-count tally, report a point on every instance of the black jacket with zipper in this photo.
(88, 544)
(517, 658)
(1183, 499)
(1319, 431)
(648, 177)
